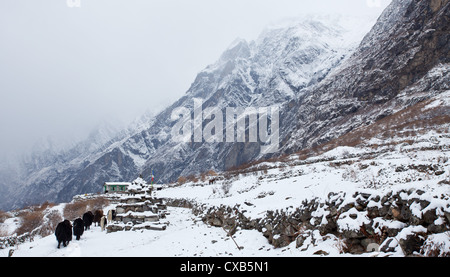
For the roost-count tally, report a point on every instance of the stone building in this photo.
(138, 209)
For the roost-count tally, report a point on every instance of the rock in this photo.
(354, 246)
(299, 241)
(420, 192)
(429, 216)
(289, 231)
(436, 228)
(373, 247)
(373, 212)
(114, 228)
(447, 216)
(389, 245)
(424, 203)
(352, 234)
(321, 252)
(329, 227)
(384, 211)
(279, 241)
(217, 222)
(411, 244)
(395, 213)
(439, 172)
(405, 213)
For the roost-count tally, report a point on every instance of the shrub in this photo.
(4, 216)
(192, 178)
(76, 209)
(30, 221)
(181, 180)
(226, 186)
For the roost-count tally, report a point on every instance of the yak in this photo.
(88, 218)
(78, 228)
(98, 214)
(63, 233)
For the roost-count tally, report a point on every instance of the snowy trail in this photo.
(185, 237)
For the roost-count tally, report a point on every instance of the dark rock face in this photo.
(410, 39)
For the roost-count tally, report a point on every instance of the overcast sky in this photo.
(63, 70)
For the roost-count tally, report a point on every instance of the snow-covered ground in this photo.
(186, 236)
(343, 169)
(415, 171)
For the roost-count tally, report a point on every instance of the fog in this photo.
(65, 70)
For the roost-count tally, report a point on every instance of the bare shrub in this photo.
(97, 203)
(350, 174)
(192, 178)
(4, 216)
(45, 206)
(30, 221)
(76, 209)
(211, 173)
(226, 186)
(181, 180)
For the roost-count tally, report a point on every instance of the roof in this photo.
(117, 183)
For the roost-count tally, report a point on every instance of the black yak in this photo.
(63, 233)
(98, 216)
(88, 217)
(78, 228)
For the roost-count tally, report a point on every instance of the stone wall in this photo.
(139, 211)
(385, 222)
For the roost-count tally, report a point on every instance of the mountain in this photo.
(403, 60)
(272, 69)
(326, 86)
(48, 159)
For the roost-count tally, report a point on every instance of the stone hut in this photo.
(137, 209)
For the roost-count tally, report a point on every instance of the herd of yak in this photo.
(63, 230)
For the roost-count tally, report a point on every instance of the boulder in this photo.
(411, 244)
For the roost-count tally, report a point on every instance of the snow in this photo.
(282, 185)
(347, 222)
(185, 236)
(442, 100)
(439, 242)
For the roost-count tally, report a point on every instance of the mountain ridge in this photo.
(309, 114)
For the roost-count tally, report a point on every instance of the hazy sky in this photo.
(63, 70)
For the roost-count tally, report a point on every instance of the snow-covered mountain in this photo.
(401, 61)
(271, 70)
(332, 85)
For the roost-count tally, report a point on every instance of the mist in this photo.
(64, 71)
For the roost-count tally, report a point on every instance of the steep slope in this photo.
(403, 60)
